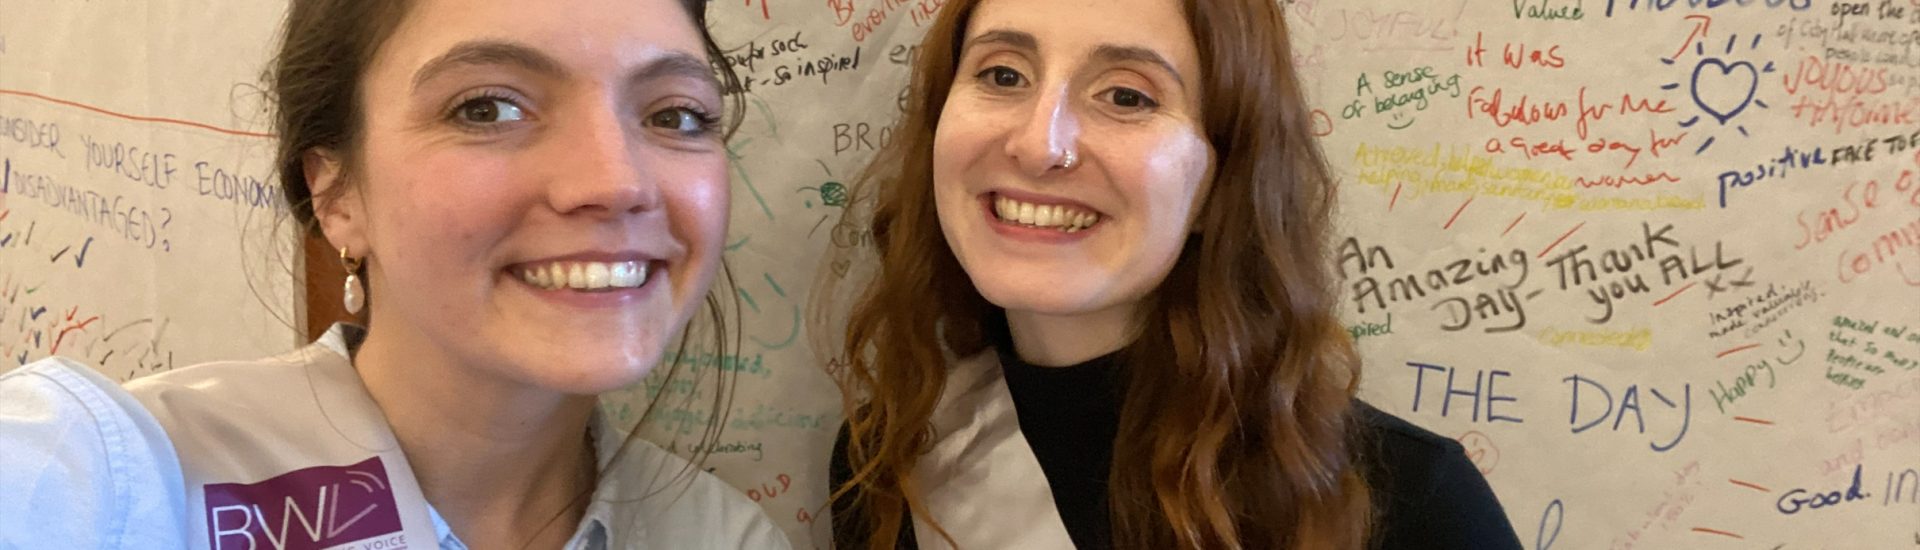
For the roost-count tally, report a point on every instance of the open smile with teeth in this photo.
(586, 276)
(1066, 219)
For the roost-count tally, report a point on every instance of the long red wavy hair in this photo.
(1236, 429)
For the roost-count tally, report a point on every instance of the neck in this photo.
(498, 459)
(1062, 340)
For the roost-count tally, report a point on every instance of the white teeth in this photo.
(629, 274)
(576, 276)
(1061, 217)
(586, 275)
(598, 275)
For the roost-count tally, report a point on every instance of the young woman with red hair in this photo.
(1102, 313)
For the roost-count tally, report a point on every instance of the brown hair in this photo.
(313, 84)
(1238, 431)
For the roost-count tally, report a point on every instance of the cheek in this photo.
(964, 141)
(446, 199)
(698, 198)
(953, 151)
(1172, 181)
(956, 151)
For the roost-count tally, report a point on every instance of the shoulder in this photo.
(217, 411)
(1393, 431)
(669, 501)
(1426, 492)
(238, 384)
(183, 386)
(83, 463)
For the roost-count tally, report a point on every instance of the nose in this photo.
(600, 166)
(1045, 141)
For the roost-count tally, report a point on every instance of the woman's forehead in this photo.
(577, 35)
(1082, 26)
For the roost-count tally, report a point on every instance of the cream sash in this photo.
(981, 480)
(288, 453)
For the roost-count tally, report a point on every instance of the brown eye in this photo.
(1132, 99)
(487, 110)
(1003, 77)
(683, 120)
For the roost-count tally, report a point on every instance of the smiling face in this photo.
(1116, 85)
(540, 190)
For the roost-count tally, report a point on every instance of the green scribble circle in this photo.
(833, 193)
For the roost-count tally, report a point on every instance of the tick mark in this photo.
(1718, 532)
(80, 258)
(1736, 350)
(1676, 293)
(1456, 213)
(1516, 223)
(1563, 238)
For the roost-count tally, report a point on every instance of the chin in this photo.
(1041, 295)
(584, 370)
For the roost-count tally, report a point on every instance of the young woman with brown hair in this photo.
(1102, 314)
(536, 196)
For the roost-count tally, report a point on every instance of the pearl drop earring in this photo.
(353, 296)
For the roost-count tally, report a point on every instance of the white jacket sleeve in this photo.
(83, 464)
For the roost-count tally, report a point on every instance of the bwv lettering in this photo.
(324, 525)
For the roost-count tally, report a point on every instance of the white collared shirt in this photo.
(87, 463)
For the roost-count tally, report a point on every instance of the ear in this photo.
(336, 204)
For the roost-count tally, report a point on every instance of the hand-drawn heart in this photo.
(841, 267)
(1724, 88)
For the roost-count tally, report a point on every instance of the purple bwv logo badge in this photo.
(307, 509)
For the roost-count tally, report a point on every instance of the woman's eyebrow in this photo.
(489, 52)
(676, 64)
(1111, 53)
(1016, 39)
